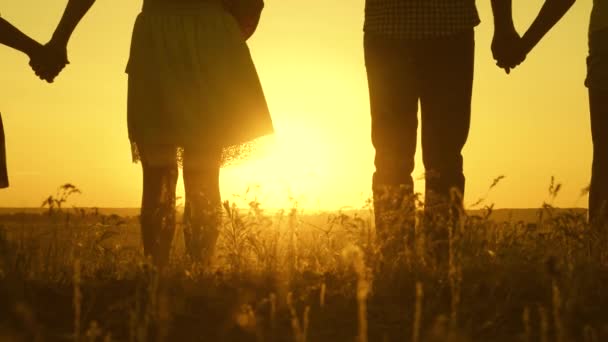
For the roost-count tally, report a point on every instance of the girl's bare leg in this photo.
(202, 214)
(158, 210)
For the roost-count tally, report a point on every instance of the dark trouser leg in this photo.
(391, 72)
(158, 211)
(3, 169)
(447, 80)
(597, 82)
(202, 214)
(598, 194)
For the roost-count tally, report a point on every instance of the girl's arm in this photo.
(74, 12)
(551, 12)
(12, 37)
(55, 57)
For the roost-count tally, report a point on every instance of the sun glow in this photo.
(288, 168)
(309, 55)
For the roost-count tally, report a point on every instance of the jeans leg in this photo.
(446, 114)
(391, 72)
(393, 97)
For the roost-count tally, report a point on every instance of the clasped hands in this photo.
(509, 49)
(48, 60)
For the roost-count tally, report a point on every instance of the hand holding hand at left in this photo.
(508, 49)
(49, 61)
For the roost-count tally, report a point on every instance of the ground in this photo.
(79, 275)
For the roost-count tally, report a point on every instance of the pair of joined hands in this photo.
(509, 49)
(48, 60)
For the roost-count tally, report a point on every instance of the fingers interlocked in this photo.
(49, 61)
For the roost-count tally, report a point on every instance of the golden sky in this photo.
(528, 126)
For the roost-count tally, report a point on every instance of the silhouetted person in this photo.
(597, 83)
(11, 36)
(421, 51)
(3, 169)
(14, 38)
(194, 98)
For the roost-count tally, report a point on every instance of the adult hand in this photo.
(49, 61)
(507, 49)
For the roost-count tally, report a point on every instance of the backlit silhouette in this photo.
(194, 100)
(597, 82)
(13, 37)
(422, 52)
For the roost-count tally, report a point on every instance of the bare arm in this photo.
(74, 12)
(503, 15)
(55, 57)
(551, 12)
(12, 37)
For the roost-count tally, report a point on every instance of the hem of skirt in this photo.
(231, 154)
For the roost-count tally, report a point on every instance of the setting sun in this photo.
(204, 170)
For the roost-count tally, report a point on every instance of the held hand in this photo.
(48, 62)
(512, 58)
(507, 49)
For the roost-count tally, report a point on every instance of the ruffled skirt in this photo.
(193, 84)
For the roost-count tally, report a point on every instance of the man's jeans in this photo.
(437, 73)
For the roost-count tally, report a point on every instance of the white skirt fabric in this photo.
(193, 84)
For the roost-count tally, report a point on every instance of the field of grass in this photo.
(79, 275)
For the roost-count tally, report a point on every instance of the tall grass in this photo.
(296, 276)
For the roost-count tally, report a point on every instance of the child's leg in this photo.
(158, 201)
(202, 214)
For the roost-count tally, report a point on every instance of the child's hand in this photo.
(49, 61)
(507, 49)
(510, 58)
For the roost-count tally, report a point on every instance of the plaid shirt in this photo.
(419, 19)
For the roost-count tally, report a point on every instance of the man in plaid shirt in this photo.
(422, 51)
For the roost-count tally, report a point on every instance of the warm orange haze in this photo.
(528, 126)
(347, 129)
